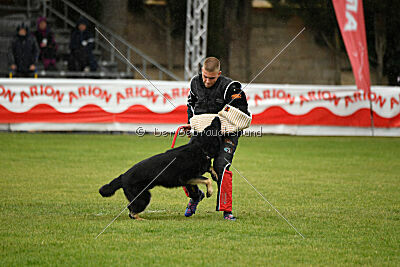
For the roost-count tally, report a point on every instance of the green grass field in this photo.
(342, 194)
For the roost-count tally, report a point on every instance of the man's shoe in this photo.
(229, 216)
(192, 206)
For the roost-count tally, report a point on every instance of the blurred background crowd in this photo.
(29, 51)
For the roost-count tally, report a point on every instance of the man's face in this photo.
(22, 32)
(43, 25)
(82, 27)
(209, 78)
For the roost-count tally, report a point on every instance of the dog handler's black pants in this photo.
(221, 166)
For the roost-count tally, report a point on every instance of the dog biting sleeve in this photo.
(225, 192)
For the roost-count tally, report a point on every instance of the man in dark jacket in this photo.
(23, 52)
(47, 44)
(209, 94)
(81, 46)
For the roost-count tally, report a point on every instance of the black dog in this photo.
(180, 166)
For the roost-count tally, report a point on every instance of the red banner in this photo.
(350, 16)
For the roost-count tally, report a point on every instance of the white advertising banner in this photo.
(77, 101)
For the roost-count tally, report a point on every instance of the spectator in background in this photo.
(23, 52)
(47, 44)
(81, 46)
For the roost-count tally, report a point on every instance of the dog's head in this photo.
(210, 138)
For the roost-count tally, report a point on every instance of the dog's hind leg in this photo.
(139, 204)
(203, 180)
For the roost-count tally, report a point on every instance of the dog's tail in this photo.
(108, 190)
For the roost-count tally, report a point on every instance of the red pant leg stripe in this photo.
(186, 192)
(225, 195)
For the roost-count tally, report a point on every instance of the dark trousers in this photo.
(80, 58)
(221, 164)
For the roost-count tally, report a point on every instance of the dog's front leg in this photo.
(203, 180)
(210, 189)
(214, 175)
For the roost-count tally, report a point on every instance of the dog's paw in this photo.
(135, 216)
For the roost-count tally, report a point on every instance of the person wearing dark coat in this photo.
(23, 52)
(81, 46)
(47, 44)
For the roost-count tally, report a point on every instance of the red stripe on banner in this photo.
(323, 117)
(386, 122)
(140, 114)
(93, 114)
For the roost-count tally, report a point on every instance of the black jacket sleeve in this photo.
(11, 51)
(191, 102)
(74, 41)
(35, 50)
(90, 40)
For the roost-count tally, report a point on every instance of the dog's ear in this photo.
(216, 122)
